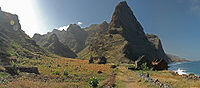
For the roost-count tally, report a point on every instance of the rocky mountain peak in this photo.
(73, 28)
(123, 16)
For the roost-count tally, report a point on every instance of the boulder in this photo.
(28, 69)
(13, 71)
(160, 64)
(102, 60)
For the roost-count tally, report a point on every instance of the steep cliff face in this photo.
(53, 45)
(14, 41)
(158, 45)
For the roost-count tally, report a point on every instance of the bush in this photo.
(15, 70)
(56, 73)
(91, 61)
(130, 66)
(145, 67)
(191, 74)
(93, 82)
(117, 64)
(65, 73)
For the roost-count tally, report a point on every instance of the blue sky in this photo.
(176, 22)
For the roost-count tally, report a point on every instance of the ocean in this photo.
(186, 67)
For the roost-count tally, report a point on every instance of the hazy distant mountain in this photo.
(74, 37)
(175, 58)
(14, 41)
(52, 44)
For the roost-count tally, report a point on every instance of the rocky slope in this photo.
(94, 31)
(53, 45)
(13, 40)
(125, 40)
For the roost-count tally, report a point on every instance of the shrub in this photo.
(56, 73)
(117, 64)
(93, 82)
(145, 67)
(14, 65)
(58, 65)
(130, 66)
(65, 73)
(191, 74)
(91, 61)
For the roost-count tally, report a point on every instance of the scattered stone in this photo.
(113, 66)
(147, 74)
(99, 72)
(156, 82)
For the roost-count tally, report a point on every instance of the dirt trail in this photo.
(128, 78)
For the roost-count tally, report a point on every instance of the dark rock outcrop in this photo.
(160, 64)
(13, 71)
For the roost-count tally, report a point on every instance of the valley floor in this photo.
(52, 75)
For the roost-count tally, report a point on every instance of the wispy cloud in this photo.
(193, 5)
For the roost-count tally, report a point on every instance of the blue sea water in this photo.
(186, 67)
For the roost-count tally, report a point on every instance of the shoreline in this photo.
(176, 67)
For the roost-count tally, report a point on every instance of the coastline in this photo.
(184, 68)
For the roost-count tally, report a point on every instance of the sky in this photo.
(176, 22)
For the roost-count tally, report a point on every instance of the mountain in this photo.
(52, 44)
(175, 58)
(14, 42)
(94, 31)
(124, 40)
(74, 37)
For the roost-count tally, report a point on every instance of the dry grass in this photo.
(79, 72)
